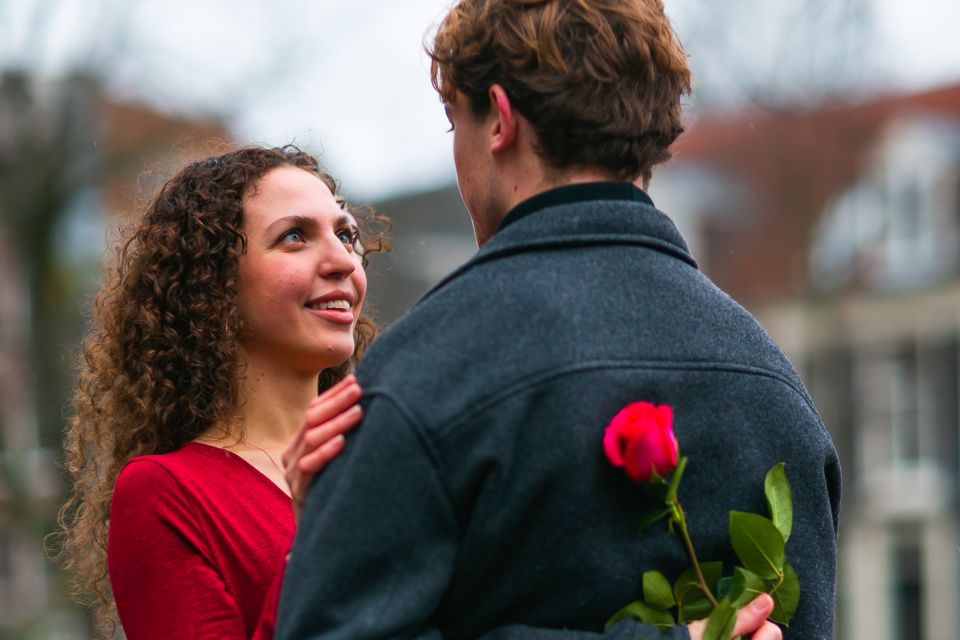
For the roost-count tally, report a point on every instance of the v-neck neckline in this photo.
(247, 463)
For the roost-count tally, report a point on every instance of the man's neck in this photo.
(551, 179)
(525, 185)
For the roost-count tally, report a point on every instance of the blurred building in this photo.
(840, 229)
(430, 236)
(73, 162)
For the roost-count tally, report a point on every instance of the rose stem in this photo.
(681, 519)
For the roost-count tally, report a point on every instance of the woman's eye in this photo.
(294, 236)
(348, 236)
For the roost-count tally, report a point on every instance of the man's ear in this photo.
(504, 131)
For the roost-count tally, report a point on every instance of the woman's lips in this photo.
(334, 315)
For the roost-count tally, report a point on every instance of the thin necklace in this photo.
(269, 457)
(272, 460)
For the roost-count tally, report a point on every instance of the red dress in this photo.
(196, 546)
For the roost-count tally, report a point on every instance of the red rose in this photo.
(640, 439)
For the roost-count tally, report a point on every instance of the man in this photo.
(475, 498)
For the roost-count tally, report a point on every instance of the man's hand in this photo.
(751, 619)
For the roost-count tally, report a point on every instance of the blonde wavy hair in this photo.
(158, 364)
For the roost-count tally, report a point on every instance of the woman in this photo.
(236, 294)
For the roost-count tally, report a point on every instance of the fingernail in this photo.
(760, 602)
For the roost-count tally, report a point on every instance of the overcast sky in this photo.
(350, 79)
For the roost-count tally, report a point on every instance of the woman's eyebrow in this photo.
(299, 221)
(348, 220)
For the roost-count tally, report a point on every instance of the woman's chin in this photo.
(334, 354)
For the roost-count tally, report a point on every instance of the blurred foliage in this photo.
(777, 54)
(46, 159)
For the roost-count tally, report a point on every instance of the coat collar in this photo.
(573, 193)
(591, 214)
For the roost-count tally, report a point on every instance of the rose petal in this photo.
(613, 445)
(638, 461)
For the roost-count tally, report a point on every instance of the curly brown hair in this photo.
(159, 360)
(600, 81)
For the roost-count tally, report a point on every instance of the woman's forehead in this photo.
(290, 191)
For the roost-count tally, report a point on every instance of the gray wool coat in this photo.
(475, 499)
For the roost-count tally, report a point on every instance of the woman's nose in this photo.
(337, 259)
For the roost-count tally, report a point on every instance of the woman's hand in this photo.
(751, 619)
(320, 437)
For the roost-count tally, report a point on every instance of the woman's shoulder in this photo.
(148, 491)
(154, 473)
(158, 499)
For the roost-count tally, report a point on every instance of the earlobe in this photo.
(505, 126)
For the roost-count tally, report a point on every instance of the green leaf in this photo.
(787, 596)
(690, 611)
(721, 621)
(640, 611)
(745, 586)
(758, 544)
(779, 499)
(691, 600)
(656, 590)
(723, 587)
(652, 518)
(687, 587)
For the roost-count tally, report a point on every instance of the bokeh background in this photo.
(818, 183)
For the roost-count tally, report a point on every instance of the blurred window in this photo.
(899, 411)
(898, 225)
(908, 583)
(912, 248)
(938, 387)
(907, 228)
(904, 425)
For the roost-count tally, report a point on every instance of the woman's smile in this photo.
(336, 306)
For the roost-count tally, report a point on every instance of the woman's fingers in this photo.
(300, 481)
(327, 405)
(320, 432)
(314, 461)
(320, 436)
(332, 402)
